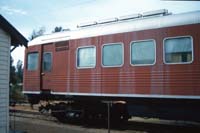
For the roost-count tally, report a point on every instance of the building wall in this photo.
(4, 80)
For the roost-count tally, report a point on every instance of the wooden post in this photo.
(108, 104)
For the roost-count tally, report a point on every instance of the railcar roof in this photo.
(143, 23)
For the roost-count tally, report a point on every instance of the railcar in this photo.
(144, 64)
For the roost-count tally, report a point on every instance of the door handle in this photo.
(42, 74)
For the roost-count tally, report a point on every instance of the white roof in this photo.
(142, 23)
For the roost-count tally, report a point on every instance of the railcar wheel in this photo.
(119, 114)
(66, 112)
(33, 99)
(58, 111)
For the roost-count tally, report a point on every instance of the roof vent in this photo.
(86, 24)
(162, 12)
(127, 17)
(110, 20)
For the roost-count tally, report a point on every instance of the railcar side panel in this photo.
(111, 75)
(84, 80)
(156, 79)
(160, 78)
(60, 67)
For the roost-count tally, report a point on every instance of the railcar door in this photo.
(46, 67)
(32, 69)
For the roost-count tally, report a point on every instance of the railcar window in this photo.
(112, 55)
(47, 62)
(32, 63)
(143, 52)
(178, 50)
(86, 57)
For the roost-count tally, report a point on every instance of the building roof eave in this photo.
(16, 37)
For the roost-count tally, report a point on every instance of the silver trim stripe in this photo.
(120, 95)
(31, 92)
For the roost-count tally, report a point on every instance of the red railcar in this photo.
(150, 62)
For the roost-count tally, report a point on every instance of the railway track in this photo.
(135, 124)
(31, 114)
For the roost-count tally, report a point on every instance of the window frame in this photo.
(43, 62)
(143, 41)
(105, 44)
(35, 52)
(175, 37)
(88, 46)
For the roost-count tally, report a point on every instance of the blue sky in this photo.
(27, 15)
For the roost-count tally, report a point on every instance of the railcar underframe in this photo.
(68, 107)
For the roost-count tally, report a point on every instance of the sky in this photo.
(29, 15)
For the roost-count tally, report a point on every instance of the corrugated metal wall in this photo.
(4, 80)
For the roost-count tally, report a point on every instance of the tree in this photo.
(57, 29)
(19, 72)
(37, 33)
(13, 77)
(16, 78)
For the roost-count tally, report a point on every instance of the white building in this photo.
(9, 36)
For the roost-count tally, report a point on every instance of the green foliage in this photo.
(19, 72)
(16, 78)
(13, 77)
(16, 74)
(16, 93)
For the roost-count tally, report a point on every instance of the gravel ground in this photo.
(41, 126)
(136, 125)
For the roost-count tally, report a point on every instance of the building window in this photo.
(47, 62)
(86, 57)
(32, 63)
(178, 50)
(143, 52)
(112, 55)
